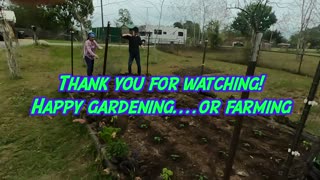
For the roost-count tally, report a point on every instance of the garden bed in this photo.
(193, 146)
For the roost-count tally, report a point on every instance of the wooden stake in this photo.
(245, 95)
(204, 56)
(303, 120)
(71, 52)
(149, 34)
(106, 50)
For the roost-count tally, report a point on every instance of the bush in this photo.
(117, 149)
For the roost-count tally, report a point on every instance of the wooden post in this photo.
(149, 33)
(245, 95)
(303, 119)
(204, 56)
(106, 50)
(72, 32)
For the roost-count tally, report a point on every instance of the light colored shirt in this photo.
(90, 48)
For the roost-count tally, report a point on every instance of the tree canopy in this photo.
(125, 17)
(254, 17)
(274, 36)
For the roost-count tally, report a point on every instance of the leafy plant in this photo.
(258, 133)
(144, 126)
(174, 157)
(204, 140)
(157, 139)
(202, 177)
(166, 174)
(117, 149)
(113, 119)
(307, 145)
(316, 161)
(182, 125)
(109, 133)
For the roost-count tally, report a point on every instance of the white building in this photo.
(163, 35)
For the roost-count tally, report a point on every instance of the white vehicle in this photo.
(163, 35)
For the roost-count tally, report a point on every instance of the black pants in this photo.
(136, 56)
(90, 65)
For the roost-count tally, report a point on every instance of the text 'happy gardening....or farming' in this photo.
(209, 106)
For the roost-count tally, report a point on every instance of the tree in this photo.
(125, 17)
(213, 31)
(254, 17)
(275, 36)
(307, 9)
(37, 16)
(178, 25)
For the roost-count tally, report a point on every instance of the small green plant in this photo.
(174, 157)
(202, 177)
(316, 161)
(113, 119)
(258, 133)
(204, 140)
(117, 149)
(307, 145)
(182, 125)
(223, 154)
(144, 126)
(166, 174)
(109, 133)
(157, 139)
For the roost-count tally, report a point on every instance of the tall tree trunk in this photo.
(9, 37)
(82, 29)
(301, 57)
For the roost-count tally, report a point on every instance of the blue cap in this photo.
(92, 35)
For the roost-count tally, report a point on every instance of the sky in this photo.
(148, 11)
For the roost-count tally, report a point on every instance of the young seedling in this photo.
(157, 139)
(223, 154)
(258, 133)
(117, 149)
(174, 157)
(204, 140)
(316, 161)
(166, 174)
(202, 177)
(307, 145)
(144, 126)
(108, 134)
(182, 125)
(113, 119)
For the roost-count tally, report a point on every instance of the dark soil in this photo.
(193, 145)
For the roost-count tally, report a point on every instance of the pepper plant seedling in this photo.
(157, 139)
(166, 174)
(258, 132)
(144, 126)
(175, 157)
(307, 145)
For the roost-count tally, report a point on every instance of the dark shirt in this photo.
(134, 43)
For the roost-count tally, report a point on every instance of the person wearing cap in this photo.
(89, 52)
(134, 44)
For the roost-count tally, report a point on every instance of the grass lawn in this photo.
(273, 60)
(40, 147)
(43, 148)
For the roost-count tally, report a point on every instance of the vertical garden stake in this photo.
(245, 95)
(303, 119)
(204, 56)
(148, 53)
(106, 50)
(71, 32)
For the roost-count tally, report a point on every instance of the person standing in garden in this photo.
(89, 54)
(134, 51)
